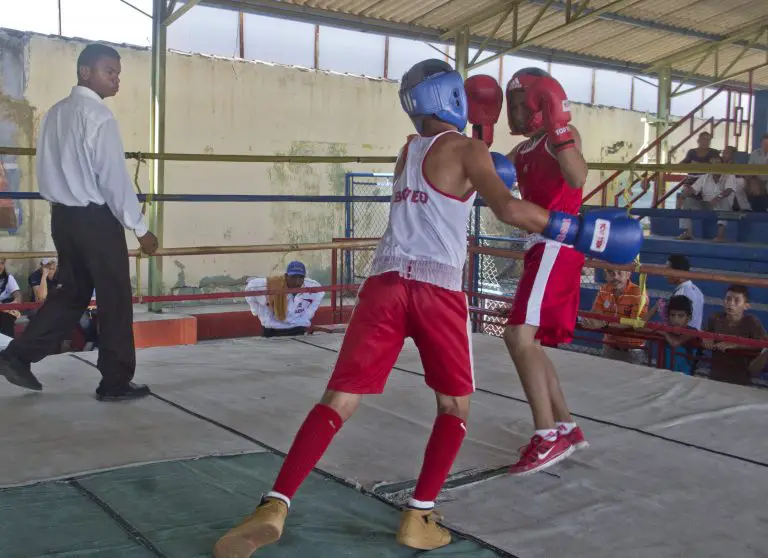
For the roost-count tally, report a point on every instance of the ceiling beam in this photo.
(615, 5)
(481, 16)
(295, 12)
(188, 5)
(135, 8)
(655, 25)
(691, 52)
(718, 81)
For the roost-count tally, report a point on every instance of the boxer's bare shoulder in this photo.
(444, 167)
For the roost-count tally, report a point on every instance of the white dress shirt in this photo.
(696, 297)
(301, 306)
(709, 189)
(740, 194)
(81, 160)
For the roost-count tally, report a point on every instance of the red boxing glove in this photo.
(546, 95)
(484, 100)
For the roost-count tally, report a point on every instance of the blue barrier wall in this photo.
(760, 122)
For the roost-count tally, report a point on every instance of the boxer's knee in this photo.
(345, 404)
(520, 338)
(450, 405)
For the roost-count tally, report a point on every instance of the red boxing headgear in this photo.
(484, 100)
(521, 80)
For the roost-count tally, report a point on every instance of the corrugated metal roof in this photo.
(631, 33)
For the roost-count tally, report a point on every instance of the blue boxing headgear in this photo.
(433, 88)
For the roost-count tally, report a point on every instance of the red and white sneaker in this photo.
(576, 438)
(540, 454)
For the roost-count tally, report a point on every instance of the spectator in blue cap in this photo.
(281, 314)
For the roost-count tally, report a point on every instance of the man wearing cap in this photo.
(283, 315)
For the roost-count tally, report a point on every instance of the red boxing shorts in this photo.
(391, 308)
(548, 292)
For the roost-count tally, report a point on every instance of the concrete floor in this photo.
(677, 467)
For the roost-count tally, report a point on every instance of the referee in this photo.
(81, 171)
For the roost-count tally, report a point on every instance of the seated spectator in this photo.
(680, 355)
(740, 199)
(9, 292)
(757, 185)
(728, 366)
(684, 287)
(620, 297)
(701, 154)
(729, 154)
(709, 192)
(285, 314)
(43, 280)
(89, 326)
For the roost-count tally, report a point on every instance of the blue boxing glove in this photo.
(607, 234)
(505, 169)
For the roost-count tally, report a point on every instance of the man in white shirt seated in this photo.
(709, 192)
(285, 314)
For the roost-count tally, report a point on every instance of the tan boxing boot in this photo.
(263, 527)
(419, 529)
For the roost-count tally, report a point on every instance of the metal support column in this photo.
(157, 142)
(462, 51)
(462, 66)
(662, 122)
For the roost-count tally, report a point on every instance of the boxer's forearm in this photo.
(573, 166)
(522, 214)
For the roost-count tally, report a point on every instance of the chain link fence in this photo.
(363, 220)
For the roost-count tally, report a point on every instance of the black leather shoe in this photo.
(19, 373)
(122, 393)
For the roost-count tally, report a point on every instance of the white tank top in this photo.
(426, 238)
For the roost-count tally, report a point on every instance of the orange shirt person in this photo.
(620, 298)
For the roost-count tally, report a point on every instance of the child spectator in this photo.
(728, 366)
(680, 355)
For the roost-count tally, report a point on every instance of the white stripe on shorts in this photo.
(548, 258)
(469, 343)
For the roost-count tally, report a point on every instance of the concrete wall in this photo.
(230, 106)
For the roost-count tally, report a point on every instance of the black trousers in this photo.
(290, 332)
(7, 323)
(92, 252)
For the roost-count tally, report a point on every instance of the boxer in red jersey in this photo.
(551, 172)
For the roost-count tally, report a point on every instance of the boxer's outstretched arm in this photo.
(572, 163)
(479, 169)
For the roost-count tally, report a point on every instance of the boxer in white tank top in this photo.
(426, 239)
(414, 291)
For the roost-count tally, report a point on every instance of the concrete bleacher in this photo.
(741, 227)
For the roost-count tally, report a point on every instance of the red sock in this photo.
(309, 445)
(442, 449)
